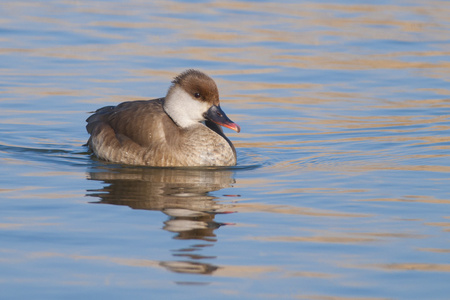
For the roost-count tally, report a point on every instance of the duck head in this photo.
(193, 97)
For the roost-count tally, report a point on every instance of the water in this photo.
(342, 184)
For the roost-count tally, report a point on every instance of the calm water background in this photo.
(342, 189)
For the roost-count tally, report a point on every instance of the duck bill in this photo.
(216, 115)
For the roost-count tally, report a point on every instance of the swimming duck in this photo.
(180, 129)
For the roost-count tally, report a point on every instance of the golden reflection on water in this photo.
(321, 20)
(241, 271)
(411, 198)
(342, 238)
(416, 267)
(294, 210)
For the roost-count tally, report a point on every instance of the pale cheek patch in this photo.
(183, 109)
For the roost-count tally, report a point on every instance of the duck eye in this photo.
(197, 95)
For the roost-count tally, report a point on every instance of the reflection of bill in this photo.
(189, 267)
(191, 224)
(181, 194)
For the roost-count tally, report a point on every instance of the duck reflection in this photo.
(181, 194)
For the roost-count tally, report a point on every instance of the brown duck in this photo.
(181, 129)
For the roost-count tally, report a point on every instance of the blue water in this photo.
(342, 185)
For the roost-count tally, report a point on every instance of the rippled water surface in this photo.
(342, 189)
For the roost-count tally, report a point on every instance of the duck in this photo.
(182, 129)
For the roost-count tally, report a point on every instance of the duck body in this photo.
(179, 130)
